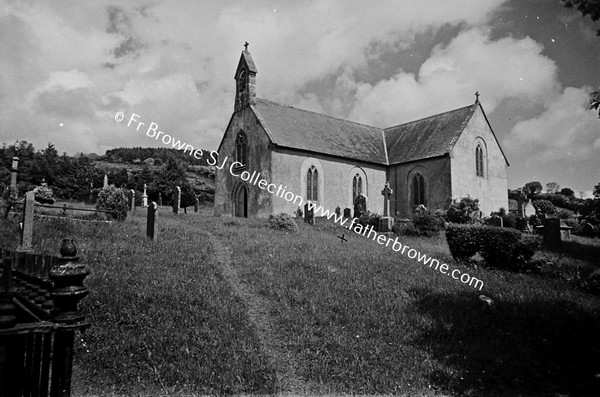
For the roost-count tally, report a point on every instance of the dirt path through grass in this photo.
(285, 365)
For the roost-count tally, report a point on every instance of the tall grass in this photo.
(355, 316)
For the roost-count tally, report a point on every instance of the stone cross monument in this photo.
(144, 197)
(386, 222)
(105, 185)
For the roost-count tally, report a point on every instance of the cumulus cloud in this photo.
(566, 130)
(499, 69)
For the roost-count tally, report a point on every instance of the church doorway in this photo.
(240, 201)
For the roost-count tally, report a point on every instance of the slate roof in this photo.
(249, 61)
(429, 137)
(302, 129)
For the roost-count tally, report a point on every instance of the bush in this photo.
(113, 201)
(43, 195)
(283, 222)
(503, 248)
(465, 211)
(426, 224)
(545, 207)
(299, 213)
(462, 240)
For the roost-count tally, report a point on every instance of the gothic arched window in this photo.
(356, 186)
(312, 184)
(241, 148)
(242, 81)
(479, 160)
(418, 190)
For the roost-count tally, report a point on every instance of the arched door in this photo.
(240, 201)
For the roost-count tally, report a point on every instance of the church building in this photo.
(335, 162)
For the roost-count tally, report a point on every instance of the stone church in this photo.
(332, 161)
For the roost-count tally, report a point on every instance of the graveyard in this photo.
(217, 305)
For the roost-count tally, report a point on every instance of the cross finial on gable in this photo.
(246, 46)
(476, 96)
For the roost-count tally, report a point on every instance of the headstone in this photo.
(152, 221)
(160, 203)
(309, 214)
(132, 200)
(360, 205)
(196, 205)
(386, 221)
(144, 197)
(495, 220)
(13, 177)
(347, 212)
(176, 199)
(27, 230)
(338, 210)
(551, 233)
(105, 184)
(91, 197)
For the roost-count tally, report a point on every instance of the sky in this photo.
(66, 68)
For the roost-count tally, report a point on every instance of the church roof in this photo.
(246, 57)
(302, 129)
(429, 137)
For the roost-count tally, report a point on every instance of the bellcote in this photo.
(245, 81)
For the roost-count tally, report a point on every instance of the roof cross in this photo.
(246, 46)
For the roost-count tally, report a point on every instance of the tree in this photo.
(545, 207)
(585, 7)
(565, 191)
(595, 101)
(552, 187)
(532, 188)
(597, 190)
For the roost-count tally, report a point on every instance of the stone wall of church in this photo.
(491, 189)
(436, 175)
(258, 159)
(335, 180)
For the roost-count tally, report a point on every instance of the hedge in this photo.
(503, 248)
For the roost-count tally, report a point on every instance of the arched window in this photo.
(242, 81)
(418, 190)
(241, 147)
(312, 184)
(479, 160)
(356, 186)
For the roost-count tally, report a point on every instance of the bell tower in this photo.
(245, 81)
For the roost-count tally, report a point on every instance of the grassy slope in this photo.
(355, 316)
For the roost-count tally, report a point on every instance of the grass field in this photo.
(223, 306)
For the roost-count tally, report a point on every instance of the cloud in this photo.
(507, 68)
(566, 130)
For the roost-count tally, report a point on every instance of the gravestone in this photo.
(27, 230)
(91, 196)
(131, 200)
(176, 199)
(144, 197)
(152, 221)
(160, 203)
(347, 212)
(196, 205)
(495, 220)
(360, 205)
(386, 221)
(309, 214)
(105, 184)
(338, 210)
(551, 233)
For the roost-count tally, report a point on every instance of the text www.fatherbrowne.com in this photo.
(368, 231)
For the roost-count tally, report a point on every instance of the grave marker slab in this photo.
(131, 200)
(347, 212)
(27, 230)
(551, 232)
(152, 221)
(176, 199)
(309, 214)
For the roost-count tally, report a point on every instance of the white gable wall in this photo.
(491, 190)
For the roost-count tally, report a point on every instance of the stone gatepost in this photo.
(386, 222)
